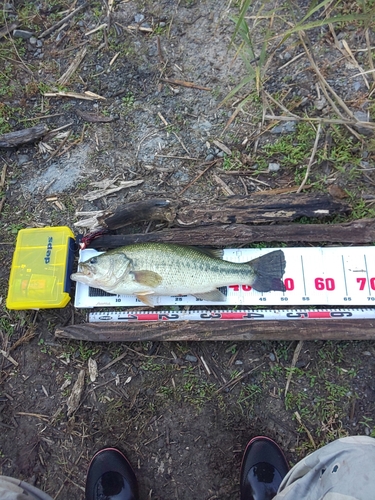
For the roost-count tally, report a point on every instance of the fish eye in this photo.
(93, 260)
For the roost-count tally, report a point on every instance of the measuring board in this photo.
(333, 276)
(242, 315)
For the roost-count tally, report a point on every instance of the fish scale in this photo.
(188, 269)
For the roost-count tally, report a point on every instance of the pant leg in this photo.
(341, 470)
(15, 489)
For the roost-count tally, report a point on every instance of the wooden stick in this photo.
(286, 110)
(198, 177)
(298, 417)
(335, 121)
(183, 83)
(260, 209)
(3, 175)
(234, 235)
(311, 158)
(224, 186)
(325, 84)
(45, 117)
(320, 329)
(293, 364)
(78, 58)
(5, 30)
(98, 28)
(87, 95)
(63, 20)
(61, 145)
(370, 60)
(8, 357)
(14, 139)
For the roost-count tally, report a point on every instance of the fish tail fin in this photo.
(269, 270)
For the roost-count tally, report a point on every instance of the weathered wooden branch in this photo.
(332, 329)
(5, 30)
(285, 207)
(357, 232)
(260, 209)
(94, 117)
(14, 139)
(63, 20)
(154, 209)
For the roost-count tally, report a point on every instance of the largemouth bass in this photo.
(149, 269)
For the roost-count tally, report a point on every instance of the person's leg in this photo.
(111, 476)
(263, 469)
(15, 489)
(343, 469)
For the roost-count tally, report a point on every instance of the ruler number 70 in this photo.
(362, 283)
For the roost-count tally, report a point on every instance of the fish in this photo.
(151, 269)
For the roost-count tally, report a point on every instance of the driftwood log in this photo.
(154, 209)
(255, 209)
(331, 329)
(237, 220)
(260, 209)
(355, 232)
(14, 139)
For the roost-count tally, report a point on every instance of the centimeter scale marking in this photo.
(243, 315)
(314, 276)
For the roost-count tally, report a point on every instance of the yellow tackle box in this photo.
(41, 268)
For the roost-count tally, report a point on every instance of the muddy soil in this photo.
(182, 412)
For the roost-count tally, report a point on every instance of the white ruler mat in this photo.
(313, 276)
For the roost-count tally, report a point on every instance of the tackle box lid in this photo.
(41, 267)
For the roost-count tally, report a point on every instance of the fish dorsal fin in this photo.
(213, 296)
(217, 253)
(147, 278)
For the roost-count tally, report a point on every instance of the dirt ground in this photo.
(182, 412)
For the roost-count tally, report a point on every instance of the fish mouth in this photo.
(84, 273)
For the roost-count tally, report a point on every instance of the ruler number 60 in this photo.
(325, 284)
(362, 283)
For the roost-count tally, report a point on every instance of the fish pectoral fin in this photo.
(145, 298)
(213, 295)
(147, 278)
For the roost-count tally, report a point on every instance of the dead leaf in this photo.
(93, 369)
(337, 192)
(223, 147)
(75, 397)
(94, 117)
